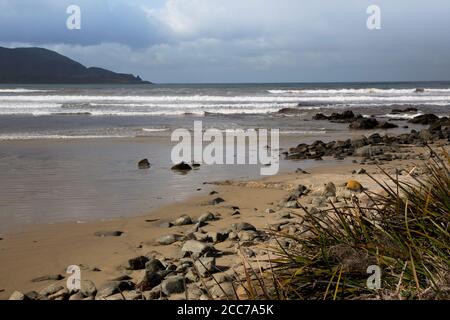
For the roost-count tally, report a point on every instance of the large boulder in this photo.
(426, 119)
(172, 285)
(364, 124)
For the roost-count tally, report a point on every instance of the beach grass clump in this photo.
(403, 231)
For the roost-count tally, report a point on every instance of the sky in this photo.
(223, 41)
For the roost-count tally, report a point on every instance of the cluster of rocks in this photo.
(356, 121)
(192, 274)
(376, 146)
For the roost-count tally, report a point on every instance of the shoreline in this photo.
(43, 250)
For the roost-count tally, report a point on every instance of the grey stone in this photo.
(205, 266)
(55, 277)
(51, 289)
(329, 190)
(148, 280)
(88, 288)
(206, 217)
(113, 287)
(217, 237)
(196, 248)
(17, 295)
(182, 221)
(137, 263)
(168, 239)
(291, 204)
(174, 284)
(154, 265)
(241, 226)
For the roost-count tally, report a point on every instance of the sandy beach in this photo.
(43, 250)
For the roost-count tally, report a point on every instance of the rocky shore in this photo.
(202, 250)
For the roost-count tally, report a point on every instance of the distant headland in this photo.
(43, 66)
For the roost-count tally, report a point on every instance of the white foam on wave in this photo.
(154, 130)
(401, 115)
(221, 99)
(7, 137)
(357, 91)
(21, 90)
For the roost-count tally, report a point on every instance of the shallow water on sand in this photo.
(46, 181)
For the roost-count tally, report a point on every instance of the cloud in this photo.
(242, 40)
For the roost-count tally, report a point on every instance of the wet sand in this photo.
(42, 250)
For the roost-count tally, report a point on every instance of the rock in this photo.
(346, 116)
(205, 266)
(76, 296)
(148, 280)
(113, 287)
(330, 190)
(137, 263)
(206, 217)
(182, 167)
(191, 277)
(174, 284)
(269, 211)
(242, 226)
(425, 135)
(247, 235)
(361, 171)
(290, 111)
(17, 295)
(182, 221)
(284, 215)
(291, 204)
(168, 239)
(51, 289)
(223, 291)
(354, 185)
(319, 201)
(368, 151)
(364, 124)
(419, 90)
(213, 193)
(33, 295)
(425, 119)
(144, 164)
(108, 233)
(56, 277)
(197, 249)
(217, 237)
(387, 125)
(216, 201)
(406, 110)
(88, 288)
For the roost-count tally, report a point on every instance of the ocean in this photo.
(70, 153)
(96, 111)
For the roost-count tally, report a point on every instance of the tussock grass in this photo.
(404, 230)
